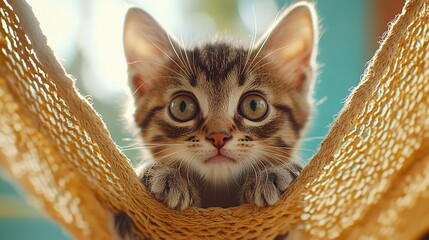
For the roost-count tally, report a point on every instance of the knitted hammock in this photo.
(370, 178)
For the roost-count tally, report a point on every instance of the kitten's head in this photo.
(220, 109)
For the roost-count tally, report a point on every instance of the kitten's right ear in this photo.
(147, 47)
(292, 44)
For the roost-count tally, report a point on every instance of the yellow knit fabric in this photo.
(369, 180)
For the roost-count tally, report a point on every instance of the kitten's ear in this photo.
(147, 47)
(292, 43)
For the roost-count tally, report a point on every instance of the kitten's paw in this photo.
(169, 186)
(266, 186)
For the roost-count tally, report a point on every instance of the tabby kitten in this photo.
(222, 121)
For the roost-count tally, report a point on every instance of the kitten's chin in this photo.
(220, 159)
(219, 169)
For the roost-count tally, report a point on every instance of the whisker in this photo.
(153, 144)
(253, 66)
(158, 77)
(166, 54)
(161, 151)
(180, 59)
(265, 145)
(312, 138)
(147, 146)
(321, 101)
(153, 62)
(170, 154)
(188, 65)
(263, 43)
(281, 155)
(284, 155)
(137, 148)
(291, 148)
(254, 168)
(253, 41)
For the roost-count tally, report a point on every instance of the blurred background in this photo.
(87, 38)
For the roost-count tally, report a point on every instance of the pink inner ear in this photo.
(300, 81)
(138, 84)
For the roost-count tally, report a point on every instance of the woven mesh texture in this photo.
(369, 180)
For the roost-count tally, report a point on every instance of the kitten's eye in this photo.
(253, 107)
(183, 108)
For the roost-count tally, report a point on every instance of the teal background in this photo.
(344, 50)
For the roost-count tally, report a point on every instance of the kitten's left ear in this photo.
(147, 48)
(292, 44)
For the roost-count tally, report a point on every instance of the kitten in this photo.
(222, 121)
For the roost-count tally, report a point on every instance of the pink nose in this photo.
(218, 139)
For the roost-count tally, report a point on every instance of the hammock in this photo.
(369, 179)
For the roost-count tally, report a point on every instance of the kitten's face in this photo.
(219, 109)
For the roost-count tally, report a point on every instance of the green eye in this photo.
(253, 107)
(183, 108)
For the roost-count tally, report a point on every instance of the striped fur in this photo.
(261, 155)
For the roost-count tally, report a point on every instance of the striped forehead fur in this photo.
(217, 71)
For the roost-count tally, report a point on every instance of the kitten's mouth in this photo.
(219, 158)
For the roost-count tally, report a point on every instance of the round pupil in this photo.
(182, 106)
(253, 105)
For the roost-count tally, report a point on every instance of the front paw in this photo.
(266, 186)
(169, 186)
